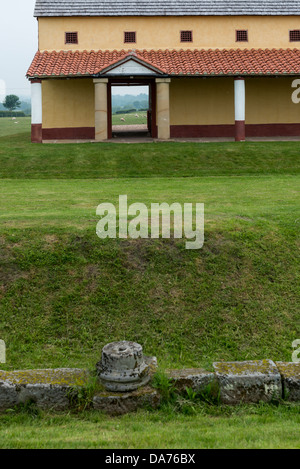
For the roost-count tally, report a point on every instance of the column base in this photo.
(240, 132)
(36, 133)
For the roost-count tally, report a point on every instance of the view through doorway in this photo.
(131, 110)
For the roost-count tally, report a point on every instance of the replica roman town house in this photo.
(214, 68)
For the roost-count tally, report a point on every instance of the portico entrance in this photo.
(132, 71)
(135, 123)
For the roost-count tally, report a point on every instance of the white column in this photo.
(163, 107)
(101, 130)
(36, 111)
(239, 108)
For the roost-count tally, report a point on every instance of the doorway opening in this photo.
(132, 110)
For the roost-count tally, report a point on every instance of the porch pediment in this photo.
(131, 66)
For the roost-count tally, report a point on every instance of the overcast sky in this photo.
(18, 44)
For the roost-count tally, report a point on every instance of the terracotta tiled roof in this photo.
(171, 62)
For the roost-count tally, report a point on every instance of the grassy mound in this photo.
(65, 293)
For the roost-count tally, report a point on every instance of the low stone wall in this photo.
(232, 382)
(243, 382)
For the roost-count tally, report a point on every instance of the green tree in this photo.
(136, 104)
(11, 102)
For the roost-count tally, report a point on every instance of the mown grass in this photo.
(9, 126)
(64, 293)
(197, 427)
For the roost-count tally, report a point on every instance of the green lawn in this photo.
(244, 427)
(64, 293)
(130, 119)
(10, 126)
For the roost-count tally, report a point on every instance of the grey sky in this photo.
(18, 44)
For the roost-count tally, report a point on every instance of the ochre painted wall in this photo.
(193, 101)
(68, 103)
(198, 101)
(269, 101)
(164, 32)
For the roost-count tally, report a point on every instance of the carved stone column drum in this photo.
(122, 367)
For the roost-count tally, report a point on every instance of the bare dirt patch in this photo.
(129, 128)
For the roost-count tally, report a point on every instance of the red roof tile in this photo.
(171, 62)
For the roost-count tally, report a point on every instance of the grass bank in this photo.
(21, 159)
(65, 293)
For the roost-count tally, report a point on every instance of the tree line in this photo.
(12, 102)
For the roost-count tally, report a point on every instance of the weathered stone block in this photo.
(195, 378)
(290, 375)
(8, 395)
(249, 381)
(48, 388)
(122, 403)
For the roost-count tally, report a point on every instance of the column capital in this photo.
(100, 80)
(162, 80)
(35, 80)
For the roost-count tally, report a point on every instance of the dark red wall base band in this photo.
(36, 133)
(199, 131)
(273, 130)
(73, 133)
(178, 131)
(219, 131)
(240, 131)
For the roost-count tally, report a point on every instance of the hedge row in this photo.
(12, 114)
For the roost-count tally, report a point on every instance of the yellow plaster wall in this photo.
(68, 103)
(193, 101)
(268, 101)
(164, 32)
(198, 101)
